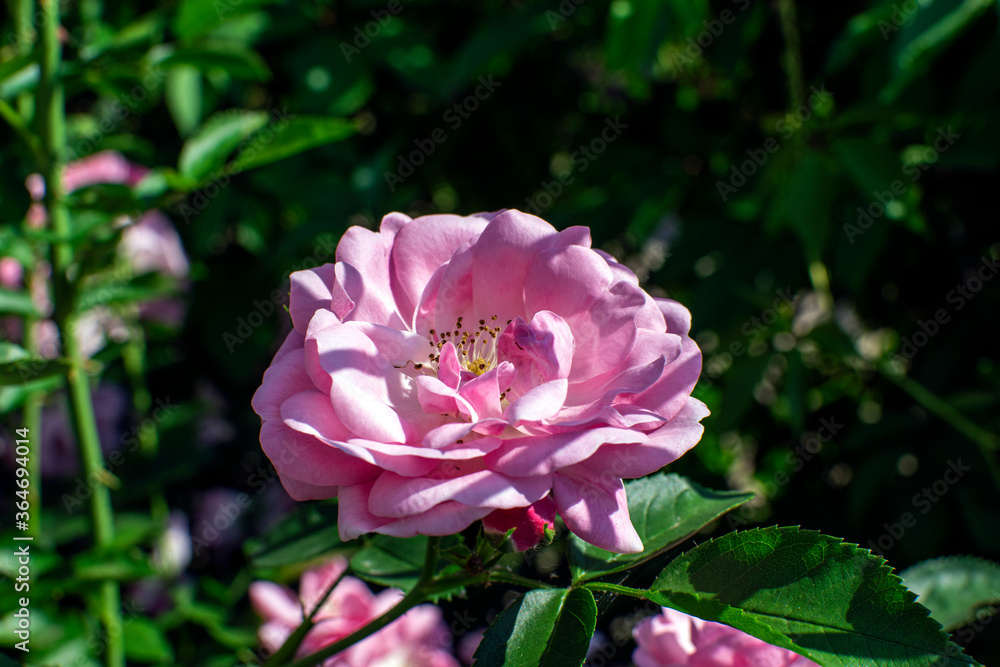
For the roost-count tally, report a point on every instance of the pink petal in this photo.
(542, 402)
(540, 351)
(284, 378)
(316, 289)
(595, 508)
(396, 496)
(353, 517)
(483, 393)
(540, 455)
(294, 341)
(275, 603)
(449, 368)
(420, 248)
(575, 283)
(315, 582)
(501, 258)
(438, 398)
(303, 458)
(664, 445)
(365, 276)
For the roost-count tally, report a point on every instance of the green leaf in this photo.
(954, 588)
(208, 149)
(199, 17)
(391, 561)
(666, 510)
(308, 532)
(24, 371)
(144, 642)
(549, 627)
(292, 137)
(830, 601)
(16, 303)
(238, 63)
(184, 98)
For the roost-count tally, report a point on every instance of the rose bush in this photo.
(417, 638)
(448, 368)
(674, 639)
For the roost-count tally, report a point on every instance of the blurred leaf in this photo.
(29, 369)
(240, 64)
(144, 642)
(666, 509)
(208, 149)
(16, 303)
(924, 36)
(184, 98)
(199, 17)
(299, 134)
(118, 566)
(830, 601)
(308, 532)
(145, 287)
(548, 627)
(871, 166)
(954, 588)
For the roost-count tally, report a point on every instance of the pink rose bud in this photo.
(103, 167)
(445, 368)
(529, 523)
(11, 273)
(674, 639)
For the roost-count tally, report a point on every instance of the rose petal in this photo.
(540, 455)
(595, 508)
(396, 496)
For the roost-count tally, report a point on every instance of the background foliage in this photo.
(740, 139)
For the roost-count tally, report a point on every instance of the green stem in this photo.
(793, 52)
(51, 115)
(516, 579)
(615, 588)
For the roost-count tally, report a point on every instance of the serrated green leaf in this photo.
(144, 642)
(549, 627)
(208, 149)
(954, 588)
(300, 134)
(665, 510)
(308, 532)
(830, 601)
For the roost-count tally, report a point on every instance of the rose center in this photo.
(477, 349)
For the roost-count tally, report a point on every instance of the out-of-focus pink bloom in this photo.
(103, 167)
(152, 245)
(172, 552)
(417, 639)
(447, 367)
(468, 644)
(11, 273)
(674, 639)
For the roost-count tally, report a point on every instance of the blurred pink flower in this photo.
(103, 167)
(417, 639)
(11, 273)
(674, 639)
(447, 367)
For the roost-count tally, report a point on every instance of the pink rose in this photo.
(417, 638)
(446, 368)
(674, 639)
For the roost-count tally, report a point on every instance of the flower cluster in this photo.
(446, 368)
(417, 638)
(674, 639)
